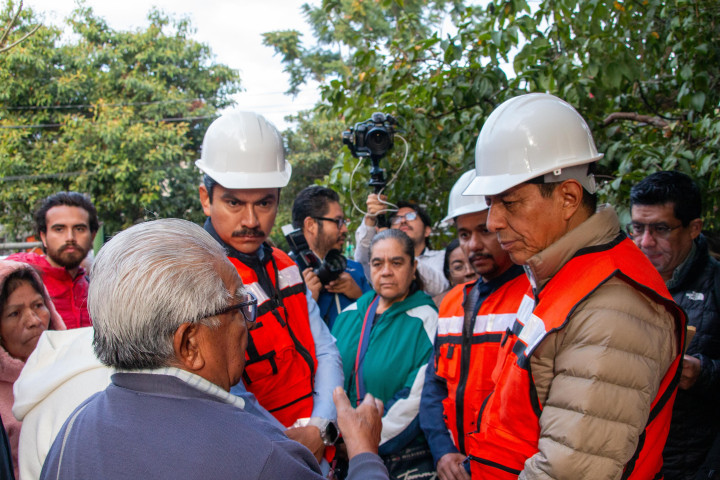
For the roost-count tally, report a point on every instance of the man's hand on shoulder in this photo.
(450, 467)
(346, 285)
(310, 437)
(361, 426)
(313, 282)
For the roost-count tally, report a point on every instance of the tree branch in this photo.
(10, 25)
(636, 117)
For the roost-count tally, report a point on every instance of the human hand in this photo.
(375, 205)
(361, 426)
(690, 372)
(313, 282)
(450, 467)
(310, 437)
(346, 285)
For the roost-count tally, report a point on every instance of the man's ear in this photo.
(310, 225)
(43, 239)
(695, 227)
(571, 193)
(428, 231)
(204, 199)
(186, 344)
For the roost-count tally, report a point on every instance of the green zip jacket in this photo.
(401, 342)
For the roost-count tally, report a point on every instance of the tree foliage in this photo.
(119, 115)
(644, 73)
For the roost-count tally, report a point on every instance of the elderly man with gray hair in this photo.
(171, 315)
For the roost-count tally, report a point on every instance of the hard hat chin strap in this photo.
(578, 172)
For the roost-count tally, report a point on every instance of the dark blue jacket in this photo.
(695, 421)
(160, 427)
(326, 300)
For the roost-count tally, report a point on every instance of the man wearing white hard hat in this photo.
(587, 374)
(473, 318)
(292, 364)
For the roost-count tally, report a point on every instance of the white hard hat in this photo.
(243, 150)
(459, 204)
(530, 136)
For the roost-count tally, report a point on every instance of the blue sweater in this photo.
(160, 427)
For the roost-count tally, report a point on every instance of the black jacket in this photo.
(695, 414)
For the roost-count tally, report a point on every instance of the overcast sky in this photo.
(232, 29)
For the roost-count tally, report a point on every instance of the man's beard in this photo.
(68, 261)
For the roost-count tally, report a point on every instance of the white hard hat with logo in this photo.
(243, 150)
(459, 204)
(530, 136)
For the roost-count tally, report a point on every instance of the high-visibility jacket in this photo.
(280, 357)
(509, 428)
(467, 354)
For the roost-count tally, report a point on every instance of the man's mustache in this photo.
(473, 256)
(248, 232)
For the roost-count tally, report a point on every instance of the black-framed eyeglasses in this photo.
(337, 221)
(657, 230)
(408, 217)
(247, 308)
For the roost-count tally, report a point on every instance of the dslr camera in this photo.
(372, 138)
(327, 270)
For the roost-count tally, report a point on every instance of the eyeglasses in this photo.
(248, 309)
(657, 230)
(337, 221)
(408, 217)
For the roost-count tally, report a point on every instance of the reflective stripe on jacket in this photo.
(476, 351)
(280, 357)
(509, 429)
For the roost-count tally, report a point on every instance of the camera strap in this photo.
(362, 348)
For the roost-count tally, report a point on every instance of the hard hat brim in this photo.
(248, 181)
(496, 184)
(464, 210)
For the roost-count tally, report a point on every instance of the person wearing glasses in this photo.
(293, 365)
(412, 219)
(172, 316)
(666, 223)
(317, 211)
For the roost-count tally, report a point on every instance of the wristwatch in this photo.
(328, 429)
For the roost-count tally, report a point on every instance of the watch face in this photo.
(331, 434)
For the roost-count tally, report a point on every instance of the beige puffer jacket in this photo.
(597, 377)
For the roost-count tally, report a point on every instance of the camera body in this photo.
(327, 269)
(372, 138)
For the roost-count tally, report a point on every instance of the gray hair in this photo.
(146, 282)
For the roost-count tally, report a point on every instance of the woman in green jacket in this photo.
(385, 340)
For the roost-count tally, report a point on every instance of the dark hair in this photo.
(13, 281)
(407, 248)
(69, 199)
(312, 201)
(454, 244)
(209, 185)
(669, 187)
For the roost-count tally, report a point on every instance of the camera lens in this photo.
(331, 268)
(378, 141)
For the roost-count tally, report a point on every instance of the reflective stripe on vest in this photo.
(466, 392)
(509, 428)
(280, 357)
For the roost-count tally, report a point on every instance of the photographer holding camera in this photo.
(333, 281)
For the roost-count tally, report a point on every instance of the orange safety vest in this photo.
(509, 421)
(280, 357)
(476, 352)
